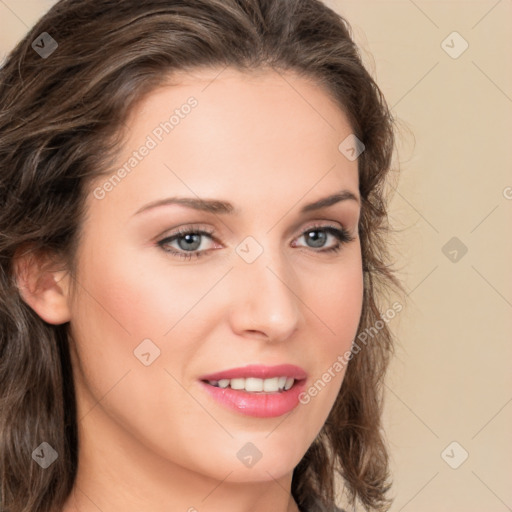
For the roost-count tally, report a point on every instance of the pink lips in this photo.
(259, 405)
(259, 372)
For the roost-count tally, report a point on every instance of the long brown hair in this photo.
(63, 105)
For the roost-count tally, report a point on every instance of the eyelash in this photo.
(342, 235)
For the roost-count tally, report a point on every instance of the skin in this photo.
(150, 438)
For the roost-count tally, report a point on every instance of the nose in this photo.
(265, 301)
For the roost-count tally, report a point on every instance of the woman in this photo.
(192, 239)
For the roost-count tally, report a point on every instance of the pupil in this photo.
(318, 238)
(190, 238)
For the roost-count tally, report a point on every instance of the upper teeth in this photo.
(252, 384)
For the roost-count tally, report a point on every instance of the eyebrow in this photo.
(224, 207)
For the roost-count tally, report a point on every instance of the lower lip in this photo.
(259, 405)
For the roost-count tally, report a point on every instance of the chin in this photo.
(261, 472)
(272, 464)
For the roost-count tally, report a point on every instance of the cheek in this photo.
(119, 308)
(129, 307)
(337, 301)
(133, 297)
(338, 297)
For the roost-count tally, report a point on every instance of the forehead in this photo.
(226, 133)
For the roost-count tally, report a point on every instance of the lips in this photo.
(256, 390)
(259, 372)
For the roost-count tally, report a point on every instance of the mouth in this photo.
(258, 391)
(255, 385)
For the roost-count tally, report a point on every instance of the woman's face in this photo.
(255, 278)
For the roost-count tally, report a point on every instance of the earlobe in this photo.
(43, 288)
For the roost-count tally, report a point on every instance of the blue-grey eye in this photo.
(317, 237)
(192, 241)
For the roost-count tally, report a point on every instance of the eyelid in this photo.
(186, 228)
(197, 228)
(325, 224)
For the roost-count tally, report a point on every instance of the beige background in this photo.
(450, 380)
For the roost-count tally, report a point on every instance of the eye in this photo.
(318, 235)
(188, 241)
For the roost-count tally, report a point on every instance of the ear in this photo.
(43, 285)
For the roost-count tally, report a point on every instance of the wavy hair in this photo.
(61, 126)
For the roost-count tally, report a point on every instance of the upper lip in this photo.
(260, 372)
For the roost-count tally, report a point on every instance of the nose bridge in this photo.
(265, 299)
